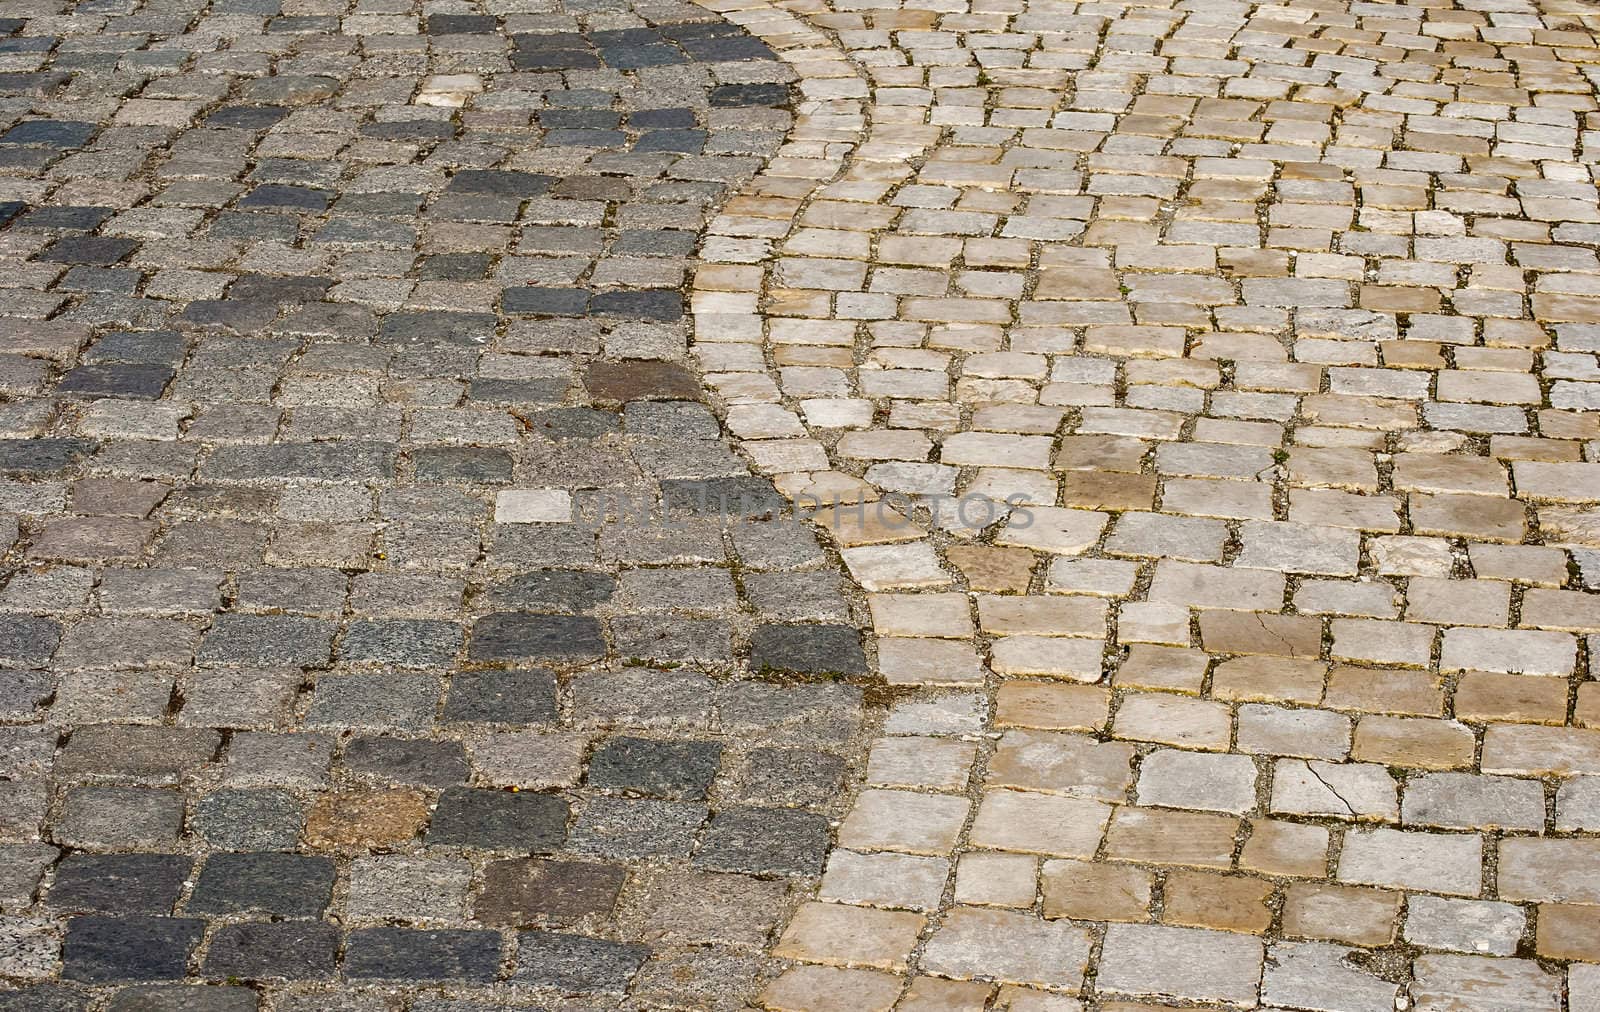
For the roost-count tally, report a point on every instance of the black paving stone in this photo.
(808, 649)
(115, 280)
(119, 883)
(283, 885)
(687, 142)
(638, 57)
(519, 637)
(575, 423)
(438, 328)
(530, 301)
(288, 950)
(541, 60)
(247, 117)
(747, 496)
(50, 132)
(28, 640)
(681, 770)
(155, 347)
(727, 49)
(656, 119)
(257, 227)
(765, 841)
(23, 692)
(105, 950)
(29, 44)
(582, 119)
(472, 464)
(408, 954)
(9, 210)
(550, 40)
(245, 317)
(95, 250)
(663, 305)
(25, 159)
(408, 761)
(501, 697)
(577, 964)
(66, 218)
(269, 288)
(498, 820)
(616, 37)
(455, 267)
(133, 382)
(44, 998)
(564, 138)
(303, 198)
(740, 95)
(294, 170)
(34, 84)
(461, 24)
(504, 183)
(555, 590)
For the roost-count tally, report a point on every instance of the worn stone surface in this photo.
(1194, 401)
(345, 353)
(1269, 335)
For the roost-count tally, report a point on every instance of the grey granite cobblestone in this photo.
(322, 686)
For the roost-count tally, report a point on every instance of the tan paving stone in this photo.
(1352, 914)
(814, 988)
(1039, 824)
(1283, 480)
(1014, 948)
(1224, 902)
(839, 934)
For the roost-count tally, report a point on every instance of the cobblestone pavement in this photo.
(1277, 323)
(342, 345)
(342, 349)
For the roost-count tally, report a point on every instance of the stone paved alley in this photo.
(402, 612)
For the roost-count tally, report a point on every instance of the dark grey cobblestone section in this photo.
(329, 680)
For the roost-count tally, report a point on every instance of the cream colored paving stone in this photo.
(849, 935)
(1010, 947)
(1279, 322)
(1038, 824)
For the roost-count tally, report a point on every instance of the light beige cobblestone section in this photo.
(1272, 328)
